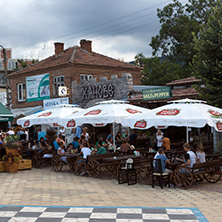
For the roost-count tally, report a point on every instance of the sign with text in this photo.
(102, 91)
(37, 87)
(157, 93)
(54, 102)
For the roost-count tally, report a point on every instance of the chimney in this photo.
(59, 47)
(86, 45)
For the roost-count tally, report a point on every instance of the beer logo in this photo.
(71, 123)
(168, 112)
(26, 123)
(133, 111)
(45, 114)
(93, 112)
(219, 125)
(140, 124)
(215, 113)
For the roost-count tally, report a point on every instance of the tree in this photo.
(207, 63)
(158, 71)
(178, 24)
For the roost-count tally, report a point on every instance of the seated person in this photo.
(189, 158)
(32, 145)
(83, 140)
(126, 136)
(125, 147)
(110, 145)
(75, 143)
(133, 138)
(103, 143)
(43, 144)
(164, 160)
(71, 149)
(118, 139)
(60, 139)
(85, 150)
(110, 135)
(62, 152)
(101, 148)
(201, 157)
(56, 145)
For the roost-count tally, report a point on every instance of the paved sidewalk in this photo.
(43, 187)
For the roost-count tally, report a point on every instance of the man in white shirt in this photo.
(85, 150)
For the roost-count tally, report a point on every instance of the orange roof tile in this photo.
(191, 79)
(76, 55)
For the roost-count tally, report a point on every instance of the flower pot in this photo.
(11, 167)
(13, 151)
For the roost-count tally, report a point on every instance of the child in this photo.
(200, 153)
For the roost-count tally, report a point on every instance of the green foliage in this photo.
(158, 71)
(11, 138)
(12, 158)
(178, 25)
(207, 63)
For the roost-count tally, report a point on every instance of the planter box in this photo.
(23, 165)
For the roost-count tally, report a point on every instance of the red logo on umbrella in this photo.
(93, 112)
(71, 123)
(45, 114)
(140, 124)
(219, 125)
(133, 111)
(26, 123)
(169, 112)
(215, 113)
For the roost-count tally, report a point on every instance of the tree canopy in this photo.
(178, 24)
(207, 63)
(158, 71)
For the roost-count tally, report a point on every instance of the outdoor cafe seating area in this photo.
(137, 163)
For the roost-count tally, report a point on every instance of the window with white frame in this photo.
(21, 89)
(57, 81)
(86, 77)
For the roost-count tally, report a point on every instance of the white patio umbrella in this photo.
(49, 116)
(186, 112)
(110, 111)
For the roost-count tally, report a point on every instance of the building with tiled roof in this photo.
(181, 89)
(77, 65)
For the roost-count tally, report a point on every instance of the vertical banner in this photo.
(37, 87)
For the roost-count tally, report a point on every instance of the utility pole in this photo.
(6, 77)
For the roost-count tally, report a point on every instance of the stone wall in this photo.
(87, 93)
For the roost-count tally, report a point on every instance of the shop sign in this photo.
(37, 87)
(54, 102)
(157, 93)
(97, 92)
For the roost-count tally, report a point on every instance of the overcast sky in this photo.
(117, 28)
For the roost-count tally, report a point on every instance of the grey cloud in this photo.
(32, 22)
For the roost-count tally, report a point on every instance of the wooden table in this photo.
(71, 158)
(113, 163)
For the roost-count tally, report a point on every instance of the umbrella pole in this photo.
(114, 137)
(187, 135)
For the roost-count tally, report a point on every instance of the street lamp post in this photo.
(6, 77)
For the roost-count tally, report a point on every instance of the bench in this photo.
(93, 164)
(184, 177)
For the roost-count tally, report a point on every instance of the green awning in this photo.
(5, 114)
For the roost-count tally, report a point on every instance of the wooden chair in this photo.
(127, 174)
(159, 174)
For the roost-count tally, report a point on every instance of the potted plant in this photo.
(12, 162)
(12, 144)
